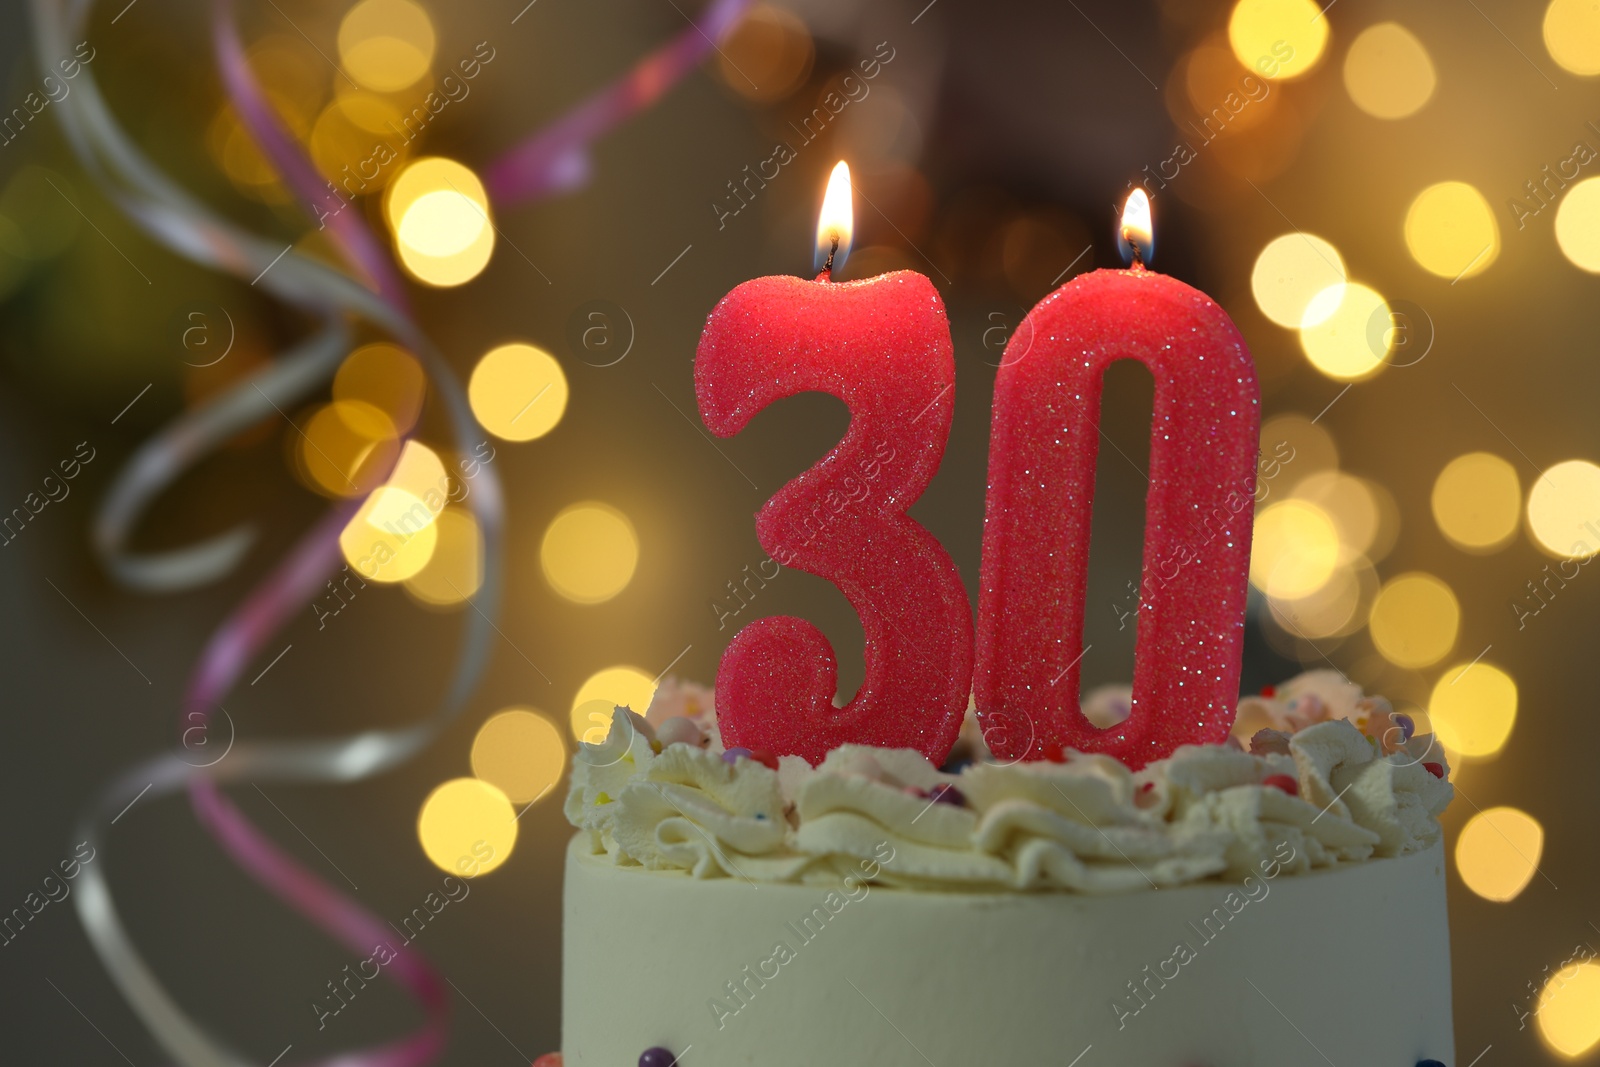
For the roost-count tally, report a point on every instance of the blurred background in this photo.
(1397, 204)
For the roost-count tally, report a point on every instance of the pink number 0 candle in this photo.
(883, 347)
(1198, 512)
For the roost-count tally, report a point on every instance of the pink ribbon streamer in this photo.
(556, 159)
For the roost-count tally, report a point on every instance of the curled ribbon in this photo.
(553, 160)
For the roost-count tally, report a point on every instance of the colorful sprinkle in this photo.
(733, 754)
(947, 794)
(1407, 724)
(1435, 769)
(1283, 782)
(657, 1057)
(765, 757)
(549, 1059)
(1269, 691)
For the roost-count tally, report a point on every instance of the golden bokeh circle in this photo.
(1345, 332)
(1568, 1010)
(1415, 620)
(1278, 38)
(1564, 509)
(1498, 852)
(1352, 504)
(439, 213)
(1477, 502)
(467, 827)
(1388, 72)
(1572, 35)
(387, 377)
(1289, 272)
(391, 538)
(767, 56)
(1451, 231)
(604, 690)
(345, 448)
(386, 45)
(518, 392)
(454, 571)
(1295, 549)
(589, 552)
(1473, 708)
(1578, 225)
(521, 753)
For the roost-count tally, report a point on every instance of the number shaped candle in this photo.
(883, 347)
(1198, 511)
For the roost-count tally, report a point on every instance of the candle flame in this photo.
(834, 221)
(1137, 236)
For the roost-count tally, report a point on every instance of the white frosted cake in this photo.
(1271, 903)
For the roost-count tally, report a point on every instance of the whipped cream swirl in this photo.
(1088, 824)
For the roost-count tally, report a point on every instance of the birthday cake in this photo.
(1277, 900)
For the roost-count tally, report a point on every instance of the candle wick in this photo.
(827, 268)
(1138, 252)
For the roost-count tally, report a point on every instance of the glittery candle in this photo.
(1198, 512)
(883, 347)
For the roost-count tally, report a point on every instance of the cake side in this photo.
(1348, 965)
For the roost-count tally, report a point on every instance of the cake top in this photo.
(1316, 774)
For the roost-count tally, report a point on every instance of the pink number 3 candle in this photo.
(883, 347)
(1198, 512)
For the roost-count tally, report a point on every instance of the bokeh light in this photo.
(1278, 38)
(1414, 620)
(439, 212)
(343, 146)
(467, 827)
(1352, 504)
(1564, 509)
(1345, 333)
(767, 55)
(420, 472)
(1578, 225)
(346, 448)
(454, 571)
(1289, 272)
(620, 686)
(1334, 609)
(386, 45)
(589, 552)
(1293, 448)
(518, 392)
(519, 752)
(387, 377)
(1451, 231)
(1209, 73)
(1568, 1010)
(1477, 502)
(1295, 549)
(391, 538)
(1388, 72)
(1473, 707)
(1498, 852)
(1572, 35)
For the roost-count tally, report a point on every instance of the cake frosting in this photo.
(1329, 775)
(1275, 901)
